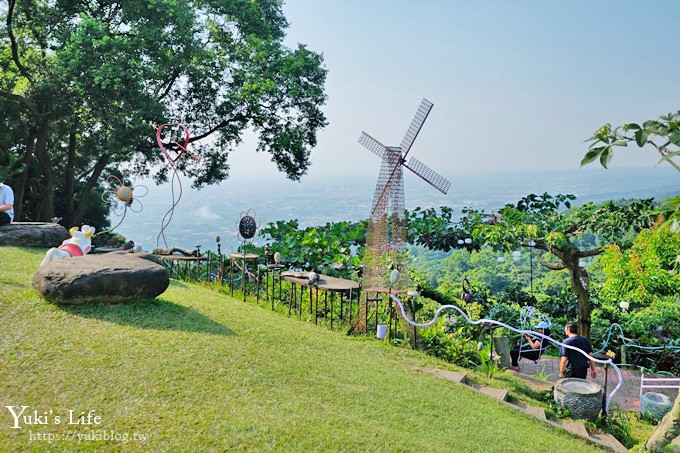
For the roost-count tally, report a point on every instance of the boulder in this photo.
(33, 234)
(112, 277)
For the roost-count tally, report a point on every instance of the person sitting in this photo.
(6, 204)
(534, 347)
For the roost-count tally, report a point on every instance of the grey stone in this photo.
(33, 234)
(111, 277)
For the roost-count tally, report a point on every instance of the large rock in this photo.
(111, 277)
(33, 234)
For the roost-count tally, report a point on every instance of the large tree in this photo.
(550, 227)
(82, 80)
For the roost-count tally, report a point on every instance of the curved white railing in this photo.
(500, 324)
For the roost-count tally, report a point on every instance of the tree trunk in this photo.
(69, 181)
(45, 211)
(579, 284)
(20, 189)
(85, 193)
(668, 429)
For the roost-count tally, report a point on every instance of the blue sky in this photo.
(516, 85)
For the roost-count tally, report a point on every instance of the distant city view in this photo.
(201, 215)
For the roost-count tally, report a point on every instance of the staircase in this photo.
(606, 441)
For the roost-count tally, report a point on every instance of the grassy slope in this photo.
(200, 371)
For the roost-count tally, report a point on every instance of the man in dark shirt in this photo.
(573, 363)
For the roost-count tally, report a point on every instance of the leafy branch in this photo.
(606, 138)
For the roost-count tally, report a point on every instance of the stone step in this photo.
(535, 384)
(453, 376)
(537, 412)
(610, 441)
(573, 427)
(499, 394)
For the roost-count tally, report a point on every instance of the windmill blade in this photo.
(428, 175)
(373, 145)
(416, 125)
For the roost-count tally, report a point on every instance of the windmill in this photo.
(386, 235)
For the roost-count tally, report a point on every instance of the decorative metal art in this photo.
(386, 234)
(247, 226)
(181, 148)
(121, 196)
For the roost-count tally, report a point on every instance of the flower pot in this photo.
(381, 331)
(582, 398)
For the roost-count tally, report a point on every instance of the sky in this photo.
(517, 86)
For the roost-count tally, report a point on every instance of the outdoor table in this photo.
(325, 283)
(243, 258)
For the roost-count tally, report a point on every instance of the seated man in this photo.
(533, 348)
(6, 204)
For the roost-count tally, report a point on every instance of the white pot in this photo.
(381, 331)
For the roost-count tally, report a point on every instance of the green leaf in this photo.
(591, 155)
(606, 157)
(631, 127)
(674, 138)
(620, 142)
(641, 138)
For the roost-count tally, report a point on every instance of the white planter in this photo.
(381, 331)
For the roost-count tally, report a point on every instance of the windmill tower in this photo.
(386, 235)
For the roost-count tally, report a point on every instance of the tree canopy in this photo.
(81, 82)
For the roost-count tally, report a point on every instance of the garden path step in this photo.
(453, 376)
(535, 384)
(610, 441)
(537, 412)
(574, 427)
(499, 394)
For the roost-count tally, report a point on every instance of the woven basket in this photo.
(655, 405)
(582, 398)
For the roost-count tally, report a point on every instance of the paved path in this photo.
(627, 397)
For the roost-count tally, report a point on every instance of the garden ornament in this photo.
(79, 244)
(172, 159)
(120, 197)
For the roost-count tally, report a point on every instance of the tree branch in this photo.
(220, 125)
(13, 41)
(591, 252)
(21, 100)
(551, 266)
(662, 150)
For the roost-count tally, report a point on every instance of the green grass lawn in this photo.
(196, 370)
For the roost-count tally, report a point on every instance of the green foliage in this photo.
(647, 270)
(489, 365)
(607, 138)
(619, 424)
(554, 411)
(333, 249)
(455, 347)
